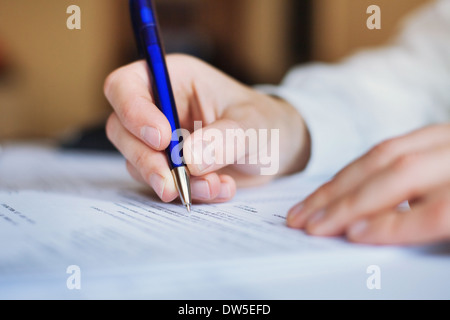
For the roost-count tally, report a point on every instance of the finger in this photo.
(205, 149)
(213, 188)
(134, 173)
(409, 177)
(151, 165)
(234, 139)
(205, 188)
(228, 188)
(426, 223)
(369, 164)
(127, 90)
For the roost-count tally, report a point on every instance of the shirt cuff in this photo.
(335, 140)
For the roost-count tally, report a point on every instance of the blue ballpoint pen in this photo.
(146, 30)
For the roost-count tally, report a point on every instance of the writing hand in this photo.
(141, 132)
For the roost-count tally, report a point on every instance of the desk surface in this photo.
(62, 210)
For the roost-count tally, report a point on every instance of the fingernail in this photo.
(158, 183)
(200, 190)
(225, 191)
(357, 229)
(294, 213)
(151, 136)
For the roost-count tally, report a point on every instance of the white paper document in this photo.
(65, 212)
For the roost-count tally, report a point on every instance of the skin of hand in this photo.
(140, 131)
(364, 200)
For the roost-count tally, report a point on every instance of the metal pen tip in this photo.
(188, 207)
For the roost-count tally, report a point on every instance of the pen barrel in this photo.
(150, 47)
(162, 89)
(142, 14)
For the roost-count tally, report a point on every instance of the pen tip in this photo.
(188, 207)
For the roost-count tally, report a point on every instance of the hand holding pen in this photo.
(142, 132)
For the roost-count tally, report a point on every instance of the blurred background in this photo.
(51, 78)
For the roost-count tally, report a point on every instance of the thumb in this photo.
(241, 138)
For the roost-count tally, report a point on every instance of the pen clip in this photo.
(142, 13)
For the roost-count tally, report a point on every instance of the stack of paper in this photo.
(75, 225)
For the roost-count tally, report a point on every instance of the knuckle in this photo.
(407, 163)
(383, 151)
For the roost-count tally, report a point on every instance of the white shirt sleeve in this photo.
(374, 95)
